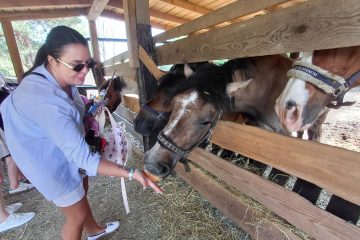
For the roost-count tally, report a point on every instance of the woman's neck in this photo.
(65, 87)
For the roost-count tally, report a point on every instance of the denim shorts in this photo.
(72, 197)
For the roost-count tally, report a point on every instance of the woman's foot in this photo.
(110, 227)
(21, 188)
(15, 220)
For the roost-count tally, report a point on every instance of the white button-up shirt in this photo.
(45, 134)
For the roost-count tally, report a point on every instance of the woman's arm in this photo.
(109, 168)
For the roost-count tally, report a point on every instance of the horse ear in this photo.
(187, 70)
(231, 88)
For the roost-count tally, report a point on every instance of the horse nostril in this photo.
(164, 169)
(290, 104)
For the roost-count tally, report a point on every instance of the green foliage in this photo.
(30, 35)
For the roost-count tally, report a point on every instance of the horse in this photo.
(154, 114)
(241, 85)
(318, 83)
(113, 87)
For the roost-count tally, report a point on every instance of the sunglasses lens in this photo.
(79, 67)
(89, 64)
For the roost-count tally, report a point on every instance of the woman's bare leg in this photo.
(77, 217)
(13, 172)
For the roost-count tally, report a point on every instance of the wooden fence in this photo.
(279, 27)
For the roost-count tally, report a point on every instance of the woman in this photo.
(43, 120)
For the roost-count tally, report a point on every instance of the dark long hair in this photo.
(56, 40)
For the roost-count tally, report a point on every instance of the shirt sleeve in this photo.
(59, 120)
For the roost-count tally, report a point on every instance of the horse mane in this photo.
(210, 81)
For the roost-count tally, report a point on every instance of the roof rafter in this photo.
(96, 8)
(11, 4)
(153, 13)
(187, 5)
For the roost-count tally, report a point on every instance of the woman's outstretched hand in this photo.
(145, 181)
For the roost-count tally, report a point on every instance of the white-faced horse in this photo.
(318, 82)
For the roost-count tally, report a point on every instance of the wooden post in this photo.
(13, 49)
(98, 76)
(138, 29)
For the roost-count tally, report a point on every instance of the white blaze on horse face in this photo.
(290, 104)
(185, 102)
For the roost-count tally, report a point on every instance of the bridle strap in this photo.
(169, 144)
(158, 114)
(330, 83)
(317, 76)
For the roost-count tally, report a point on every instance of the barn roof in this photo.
(164, 14)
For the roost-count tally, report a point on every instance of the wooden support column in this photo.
(138, 29)
(98, 76)
(13, 49)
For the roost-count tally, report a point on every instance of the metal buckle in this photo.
(342, 89)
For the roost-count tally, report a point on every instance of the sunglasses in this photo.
(77, 68)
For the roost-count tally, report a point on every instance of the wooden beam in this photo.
(13, 49)
(96, 8)
(147, 84)
(153, 13)
(94, 40)
(130, 22)
(149, 63)
(120, 58)
(188, 6)
(289, 205)
(228, 12)
(277, 32)
(121, 70)
(314, 162)
(11, 4)
(96, 53)
(43, 14)
(167, 17)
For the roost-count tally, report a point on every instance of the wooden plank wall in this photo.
(316, 24)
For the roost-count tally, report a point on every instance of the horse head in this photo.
(113, 88)
(196, 105)
(154, 114)
(318, 81)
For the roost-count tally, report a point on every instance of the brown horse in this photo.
(318, 82)
(113, 87)
(153, 115)
(243, 85)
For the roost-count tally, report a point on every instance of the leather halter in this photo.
(170, 145)
(330, 83)
(162, 116)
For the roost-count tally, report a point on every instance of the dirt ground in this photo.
(342, 126)
(181, 213)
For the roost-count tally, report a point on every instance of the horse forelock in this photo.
(181, 111)
(209, 81)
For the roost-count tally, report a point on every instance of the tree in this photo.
(30, 35)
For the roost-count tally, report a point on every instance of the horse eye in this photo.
(205, 122)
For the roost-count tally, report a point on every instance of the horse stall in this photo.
(224, 29)
(246, 29)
